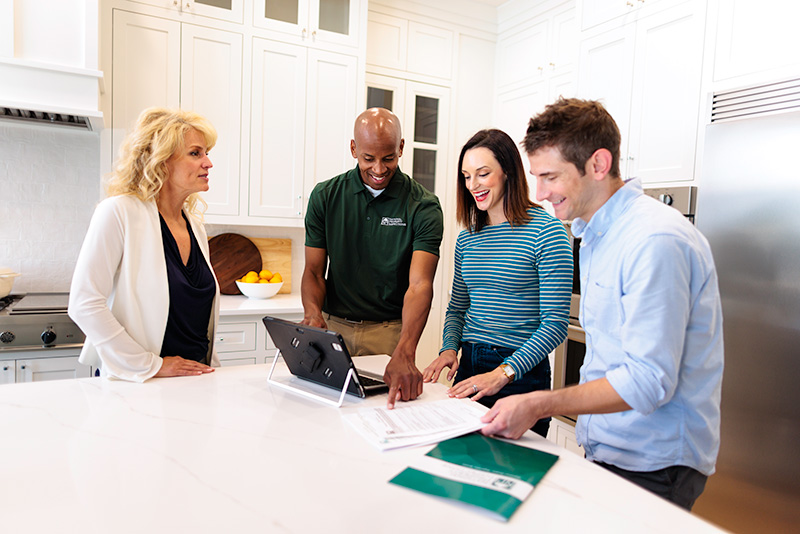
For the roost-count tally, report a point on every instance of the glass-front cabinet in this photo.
(422, 109)
(313, 21)
(230, 10)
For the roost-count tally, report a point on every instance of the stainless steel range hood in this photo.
(48, 94)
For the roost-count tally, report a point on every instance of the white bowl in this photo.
(259, 291)
(6, 281)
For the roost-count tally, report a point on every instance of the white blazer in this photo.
(120, 292)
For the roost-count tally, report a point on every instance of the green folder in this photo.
(479, 471)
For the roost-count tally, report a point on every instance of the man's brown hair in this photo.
(577, 128)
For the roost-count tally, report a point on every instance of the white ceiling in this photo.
(494, 3)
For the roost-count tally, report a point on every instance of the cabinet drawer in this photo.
(236, 337)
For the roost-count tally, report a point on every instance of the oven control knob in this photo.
(48, 336)
(666, 199)
(7, 337)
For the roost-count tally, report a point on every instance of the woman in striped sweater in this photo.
(512, 282)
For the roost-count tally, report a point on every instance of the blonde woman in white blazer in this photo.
(143, 291)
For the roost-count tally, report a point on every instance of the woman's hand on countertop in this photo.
(177, 366)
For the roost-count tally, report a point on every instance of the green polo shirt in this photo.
(369, 241)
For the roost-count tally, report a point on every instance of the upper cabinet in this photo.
(188, 66)
(596, 12)
(755, 42)
(542, 48)
(283, 106)
(648, 75)
(312, 22)
(409, 46)
(230, 10)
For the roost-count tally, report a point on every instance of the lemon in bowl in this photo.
(262, 285)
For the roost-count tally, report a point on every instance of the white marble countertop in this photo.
(236, 305)
(226, 452)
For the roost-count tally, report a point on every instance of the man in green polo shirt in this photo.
(376, 232)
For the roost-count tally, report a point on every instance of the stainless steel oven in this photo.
(568, 357)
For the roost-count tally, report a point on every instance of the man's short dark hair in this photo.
(577, 128)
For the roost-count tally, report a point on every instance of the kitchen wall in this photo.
(49, 186)
(297, 235)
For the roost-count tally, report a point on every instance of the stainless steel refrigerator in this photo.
(748, 206)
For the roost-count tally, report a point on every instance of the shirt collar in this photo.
(609, 212)
(356, 186)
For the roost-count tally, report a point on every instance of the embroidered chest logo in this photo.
(392, 221)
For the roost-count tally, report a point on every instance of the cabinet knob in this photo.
(5, 368)
(304, 33)
(23, 367)
(629, 4)
(314, 35)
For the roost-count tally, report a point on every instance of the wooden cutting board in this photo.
(232, 256)
(276, 255)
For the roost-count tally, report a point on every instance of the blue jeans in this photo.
(479, 358)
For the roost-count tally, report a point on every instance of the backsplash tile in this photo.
(49, 186)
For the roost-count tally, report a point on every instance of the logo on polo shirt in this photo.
(392, 221)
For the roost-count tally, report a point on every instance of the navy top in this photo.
(191, 295)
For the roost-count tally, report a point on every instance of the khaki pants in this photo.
(366, 337)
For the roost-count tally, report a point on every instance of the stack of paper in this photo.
(412, 424)
(482, 472)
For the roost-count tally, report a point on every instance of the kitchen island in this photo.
(227, 452)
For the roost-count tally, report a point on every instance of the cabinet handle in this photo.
(314, 35)
(629, 4)
(552, 66)
(304, 33)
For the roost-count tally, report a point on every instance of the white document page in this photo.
(413, 424)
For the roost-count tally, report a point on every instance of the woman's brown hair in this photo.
(516, 199)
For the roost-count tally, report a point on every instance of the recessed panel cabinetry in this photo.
(536, 61)
(417, 49)
(300, 126)
(648, 75)
(283, 105)
(230, 10)
(56, 367)
(313, 22)
(162, 62)
(755, 42)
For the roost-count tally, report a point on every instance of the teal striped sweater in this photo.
(512, 288)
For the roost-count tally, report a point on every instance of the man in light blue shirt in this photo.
(649, 392)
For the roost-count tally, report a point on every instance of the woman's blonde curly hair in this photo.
(141, 169)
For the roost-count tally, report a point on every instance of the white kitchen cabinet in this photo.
(423, 110)
(160, 62)
(596, 12)
(410, 46)
(542, 48)
(230, 10)
(563, 434)
(755, 42)
(38, 369)
(315, 23)
(243, 339)
(648, 74)
(300, 127)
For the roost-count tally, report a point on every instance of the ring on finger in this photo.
(474, 388)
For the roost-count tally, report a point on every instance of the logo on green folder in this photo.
(503, 483)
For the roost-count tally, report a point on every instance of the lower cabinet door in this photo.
(41, 369)
(229, 360)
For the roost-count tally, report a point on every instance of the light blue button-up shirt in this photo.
(651, 310)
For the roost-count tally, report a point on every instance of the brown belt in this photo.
(362, 321)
